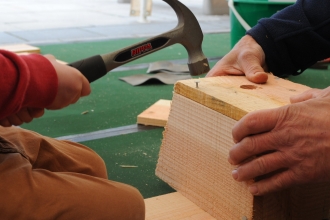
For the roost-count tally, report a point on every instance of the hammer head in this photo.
(189, 33)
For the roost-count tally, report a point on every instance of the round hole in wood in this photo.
(248, 87)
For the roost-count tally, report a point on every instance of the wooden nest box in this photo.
(197, 138)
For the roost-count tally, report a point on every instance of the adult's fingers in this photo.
(309, 94)
(252, 67)
(257, 77)
(277, 182)
(246, 58)
(227, 66)
(251, 147)
(260, 166)
(251, 60)
(248, 65)
(255, 123)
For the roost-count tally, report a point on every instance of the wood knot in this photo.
(248, 87)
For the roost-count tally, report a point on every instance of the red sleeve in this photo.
(25, 81)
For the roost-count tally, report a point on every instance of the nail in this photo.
(196, 83)
(253, 189)
(234, 173)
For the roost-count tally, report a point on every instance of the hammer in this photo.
(187, 32)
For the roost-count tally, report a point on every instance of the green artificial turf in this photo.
(313, 78)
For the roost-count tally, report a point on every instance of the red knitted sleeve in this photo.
(25, 81)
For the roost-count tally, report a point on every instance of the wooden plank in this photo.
(20, 48)
(196, 143)
(174, 206)
(156, 115)
(59, 61)
(193, 160)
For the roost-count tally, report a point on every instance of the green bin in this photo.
(249, 12)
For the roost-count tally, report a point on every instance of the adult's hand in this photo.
(310, 94)
(246, 58)
(71, 86)
(286, 146)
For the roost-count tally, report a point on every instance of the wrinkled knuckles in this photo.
(251, 121)
(246, 56)
(250, 146)
(261, 166)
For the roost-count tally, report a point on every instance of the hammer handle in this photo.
(97, 66)
(92, 68)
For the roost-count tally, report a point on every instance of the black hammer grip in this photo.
(92, 68)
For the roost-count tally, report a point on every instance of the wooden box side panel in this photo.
(298, 203)
(193, 160)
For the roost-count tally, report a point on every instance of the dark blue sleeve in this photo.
(296, 37)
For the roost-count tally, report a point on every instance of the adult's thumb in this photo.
(309, 94)
(255, 73)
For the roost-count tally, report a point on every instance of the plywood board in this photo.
(196, 144)
(20, 48)
(174, 206)
(155, 115)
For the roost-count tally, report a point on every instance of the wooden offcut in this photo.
(26, 53)
(156, 115)
(20, 48)
(174, 206)
(193, 158)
